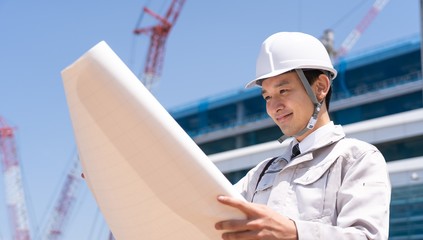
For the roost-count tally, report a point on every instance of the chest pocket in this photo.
(266, 181)
(315, 187)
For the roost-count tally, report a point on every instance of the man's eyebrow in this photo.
(279, 84)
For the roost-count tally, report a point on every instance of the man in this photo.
(330, 186)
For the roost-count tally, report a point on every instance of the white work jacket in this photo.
(338, 189)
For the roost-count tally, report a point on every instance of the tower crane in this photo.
(15, 197)
(328, 39)
(64, 204)
(356, 33)
(328, 36)
(158, 35)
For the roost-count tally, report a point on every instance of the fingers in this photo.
(232, 225)
(240, 235)
(249, 209)
(238, 225)
(261, 222)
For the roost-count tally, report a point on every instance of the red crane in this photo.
(63, 206)
(337, 55)
(158, 35)
(15, 198)
(353, 37)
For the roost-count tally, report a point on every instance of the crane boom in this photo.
(64, 204)
(158, 35)
(15, 197)
(355, 34)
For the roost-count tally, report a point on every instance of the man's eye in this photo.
(266, 98)
(282, 91)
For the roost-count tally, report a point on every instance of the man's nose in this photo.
(276, 105)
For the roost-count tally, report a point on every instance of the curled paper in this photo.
(149, 179)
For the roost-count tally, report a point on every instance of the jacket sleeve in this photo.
(362, 203)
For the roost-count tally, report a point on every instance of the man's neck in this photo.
(322, 120)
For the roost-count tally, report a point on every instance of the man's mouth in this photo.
(283, 118)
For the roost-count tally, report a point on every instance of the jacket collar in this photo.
(321, 137)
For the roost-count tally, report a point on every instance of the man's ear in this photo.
(321, 87)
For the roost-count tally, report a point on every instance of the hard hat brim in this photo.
(282, 71)
(272, 74)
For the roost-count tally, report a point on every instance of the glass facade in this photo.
(245, 139)
(402, 149)
(406, 220)
(220, 145)
(381, 108)
(378, 75)
(261, 136)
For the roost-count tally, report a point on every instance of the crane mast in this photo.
(158, 35)
(15, 197)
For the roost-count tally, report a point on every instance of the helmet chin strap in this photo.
(317, 106)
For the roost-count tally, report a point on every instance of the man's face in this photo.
(287, 102)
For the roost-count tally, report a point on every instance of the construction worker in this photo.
(329, 186)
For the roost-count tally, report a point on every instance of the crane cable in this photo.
(349, 13)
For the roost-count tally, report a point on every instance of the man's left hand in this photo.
(261, 223)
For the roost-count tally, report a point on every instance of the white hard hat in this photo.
(286, 51)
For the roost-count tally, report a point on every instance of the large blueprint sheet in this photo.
(150, 180)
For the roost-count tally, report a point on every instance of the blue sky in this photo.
(211, 50)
